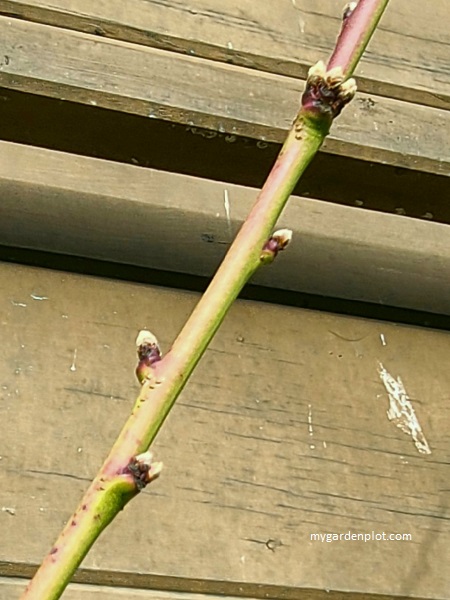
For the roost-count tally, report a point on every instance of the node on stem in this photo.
(149, 353)
(277, 242)
(348, 9)
(144, 469)
(326, 92)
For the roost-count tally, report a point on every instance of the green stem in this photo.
(111, 490)
(100, 504)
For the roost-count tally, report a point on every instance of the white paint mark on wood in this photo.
(401, 411)
(22, 304)
(9, 509)
(383, 339)
(226, 205)
(36, 297)
(301, 22)
(310, 425)
(73, 366)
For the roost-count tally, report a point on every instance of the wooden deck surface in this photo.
(281, 433)
(164, 85)
(91, 208)
(11, 588)
(407, 59)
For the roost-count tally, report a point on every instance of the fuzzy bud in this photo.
(144, 469)
(348, 10)
(277, 242)
(326, 92)
(148, 352)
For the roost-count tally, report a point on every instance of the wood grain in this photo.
(92, 208)
(407, 59)
(10, 589)
(163, 85)
(281, 432)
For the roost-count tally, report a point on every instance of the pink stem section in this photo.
(355, 34)
(99, 507)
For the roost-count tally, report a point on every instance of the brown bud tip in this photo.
(326, 92)
(334, 77)
(144, 469)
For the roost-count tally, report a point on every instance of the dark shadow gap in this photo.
(101, 133)
(195, 283)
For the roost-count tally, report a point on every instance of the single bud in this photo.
(277, 242)
(348, 9)
(148, 352)
(347, 90)
(334, 77)
(144, 469)
(282, 237)
(316, 73)
(146, 337)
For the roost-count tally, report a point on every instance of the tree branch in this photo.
(129, 466)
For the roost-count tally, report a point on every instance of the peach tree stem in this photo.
(358, 24)
(129, 465)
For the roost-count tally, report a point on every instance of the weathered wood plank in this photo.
(282, 432)
(407, 60)
(92, 208)
(152, 83)
(10, 589)
(97, 583)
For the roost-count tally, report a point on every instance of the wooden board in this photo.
(87, 207)
(282, 432)
(10, 589)
(163, 85)
(112, 584)
(407, 59)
